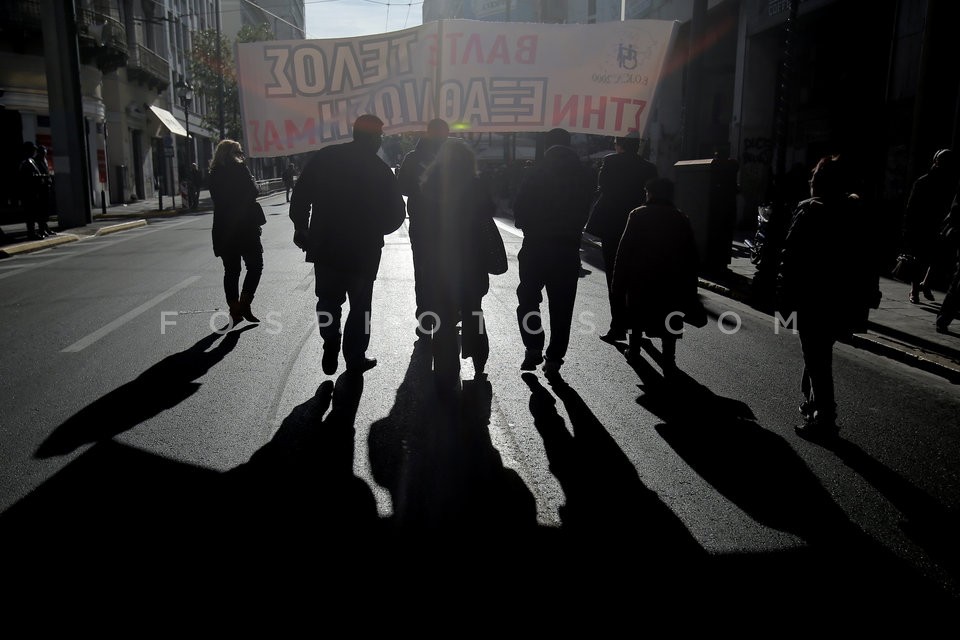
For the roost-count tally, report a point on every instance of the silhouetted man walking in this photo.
(551, 208)
(355, 203)
(408, 177)
(621, 184)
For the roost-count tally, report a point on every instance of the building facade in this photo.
(134, 56)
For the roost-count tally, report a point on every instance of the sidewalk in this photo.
(118, 217)
(898, 329)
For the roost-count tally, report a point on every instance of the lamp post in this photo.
(185, 93)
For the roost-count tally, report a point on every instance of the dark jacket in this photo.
(553, 202)
(621, 185)
(233, 192)
(927, 205)
(827, 268)
(452, 217)
(950, 229)
(411, 171)
(657, 268)
(31, 185)
(349, 200)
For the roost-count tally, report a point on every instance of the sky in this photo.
(345, 18)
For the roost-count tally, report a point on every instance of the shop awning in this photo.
(169, 121)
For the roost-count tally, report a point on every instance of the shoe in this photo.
(552, 367)
(359, 366)
(331, 356)
(927, 293)
(244, 305)
(817, 429)
(806, 410)
(942, 328)
(531, 360)
(614, 336)
(236, 313)
(913, 297)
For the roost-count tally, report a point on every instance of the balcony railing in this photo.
(102, 38)
(148, 67)
(101, 35)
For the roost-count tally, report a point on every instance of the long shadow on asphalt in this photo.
(434, 454)
(161, 387)
(759, 472)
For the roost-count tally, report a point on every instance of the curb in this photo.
(63, 238)
(874, 343)
(123, 226)
(907, 354)
(37, 245)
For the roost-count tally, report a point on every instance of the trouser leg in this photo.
(356, 330)
(331, 293)
(561, 296)
(618, 314)
(476, 343)
(529, 297)
(231, 275)
(253, 260)
(948, 310)
(421, 277)
(817, 347)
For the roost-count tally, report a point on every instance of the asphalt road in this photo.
(124, 410)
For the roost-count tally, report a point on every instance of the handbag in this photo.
(494, 254)
(905, 268)
(256, 214)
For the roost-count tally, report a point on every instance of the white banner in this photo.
(301, 95)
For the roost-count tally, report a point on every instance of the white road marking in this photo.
(100, 244)
(85, 342)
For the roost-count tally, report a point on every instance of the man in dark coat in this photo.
(828, 238)
(656, 272)
(409, 177)
(927, 205)
(33, 186)
(355, 203)
(621, 190)
(551, 208)
(950, 233)
(289, 179)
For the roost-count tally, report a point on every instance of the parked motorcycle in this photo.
(756, 245)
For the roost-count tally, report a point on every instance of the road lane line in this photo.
(85, 342)
(100, 244)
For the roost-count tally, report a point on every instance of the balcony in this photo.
(102, 39)
(147, 67)
(101, 36)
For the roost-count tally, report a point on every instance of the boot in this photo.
(236, 312)
(245, 300)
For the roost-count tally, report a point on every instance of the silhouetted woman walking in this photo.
(236, 227)
(455, 206)
(828, 239)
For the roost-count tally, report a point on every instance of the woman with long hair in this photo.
(236, 227)
(828, 239)
(455, 206)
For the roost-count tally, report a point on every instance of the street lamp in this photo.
(185, 93)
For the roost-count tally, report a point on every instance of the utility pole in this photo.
(219, 73)
(65, 103)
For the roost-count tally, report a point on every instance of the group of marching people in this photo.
(346, 200)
